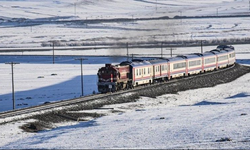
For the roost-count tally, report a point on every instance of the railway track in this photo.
(57, 104)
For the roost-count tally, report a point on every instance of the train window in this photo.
(221, 58)
(159, 68)
(180, 65)
(148, 71)
(194, 63)
(232, 55)
(137, 72)
(199, 62)
(144, 71)
(209, 60)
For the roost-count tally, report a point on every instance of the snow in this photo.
(189, 119)
(179, 121)
(18, 33)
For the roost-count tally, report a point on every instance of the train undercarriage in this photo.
(105, 87)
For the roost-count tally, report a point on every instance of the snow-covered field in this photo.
(25, 23)
(190, 119)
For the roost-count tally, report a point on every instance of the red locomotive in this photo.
(114, 77)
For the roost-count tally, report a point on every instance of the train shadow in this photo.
(243, 61)
(62, 91)
(60, 59)
(208, 103)
(240, 95)
(65, 59)
(204, 103)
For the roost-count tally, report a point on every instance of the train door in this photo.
(169, 71)
(160, 67)
(202, 63)
(154, 69)
(217, 62)
(187, 67)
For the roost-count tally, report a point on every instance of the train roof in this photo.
(224, 47)
(217, 51)
(158, 61)
(208, 53)
(125, 63)
(137, 63)
(191, 56)
(173, 59)
(229, 50)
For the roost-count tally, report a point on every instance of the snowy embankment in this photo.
(190, 119)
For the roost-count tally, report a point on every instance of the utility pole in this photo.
(156, 5)
(171, 51)
(201, 47)
(81, 59)
(13, 89)
(53, 44)
(161, 49)
(181, 16)
(75, 8)
(127, 52)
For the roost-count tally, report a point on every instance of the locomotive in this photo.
(129, 74)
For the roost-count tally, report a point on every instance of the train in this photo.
(137, 72)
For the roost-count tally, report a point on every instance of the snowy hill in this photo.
(32, 23)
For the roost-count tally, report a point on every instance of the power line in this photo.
(53, 43)
(81, 59)
(161, 49)
(171, 51)
(75, 8)
(127, 52)
(201, 46)
(13, 89)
